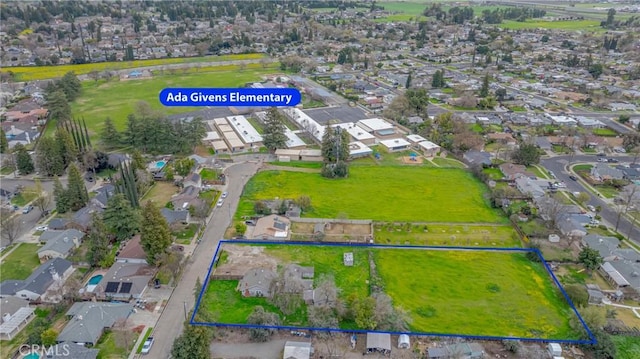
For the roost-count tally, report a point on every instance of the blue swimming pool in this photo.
(160, 164)
(32, 356)
(95, 279)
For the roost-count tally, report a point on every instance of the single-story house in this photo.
(257, 282)
(103, 194)
(192, 179)
(132, 252)
(511, 171)
(605, 245)
(479, 158)
(502, 137)
(58, 223)
(629, 270)
(603, 172)
(59, 244)
(44, 283)
(572, 225)
(528, 187)
(174, 217)
(297, 350)
(71, 350)
(189, 196)
(613, 276)
(595, 294)
(16, 314)
(428, 148)
(82, 219)
(88, 320)
(125, 281)
(272, 227)
(396, 144)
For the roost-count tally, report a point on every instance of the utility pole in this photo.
(185, 310)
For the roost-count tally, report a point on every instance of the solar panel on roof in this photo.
(112, 287)
(125, 288)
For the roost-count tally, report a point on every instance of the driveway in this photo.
(270, 350)
(557, 165)
(170, 324)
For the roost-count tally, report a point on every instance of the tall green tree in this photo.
(194, 343)
(127, 184)
(48, 158)
(137, 161)
(58, 106)
(4, 144)
(183, 166)
(65, 146)
(122, 219)
(98, 239)
(408, 83)
(484, 90)
(109, 134)
(76, 191)
(60, 196)
(23, 159)
(526, 154)
(590, 258)
(155, 235)
(335, 144)
(70, 85)
(274, 131)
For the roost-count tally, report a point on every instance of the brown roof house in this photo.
(257, 282)
(132, 252)
(512, 171)
(125, 281)
(272, 227)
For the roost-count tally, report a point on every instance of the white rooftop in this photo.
(247, 132)
(376, 124)
(415, 138)
(396, 142)
(292, 139)
(358, 148)
(211, 136)
(428, 145)
(17, 319)
(357, 132)
(305, 122)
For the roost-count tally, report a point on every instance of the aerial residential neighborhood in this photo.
(455, 179)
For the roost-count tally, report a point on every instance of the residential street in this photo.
(170, 324)
(557, 165)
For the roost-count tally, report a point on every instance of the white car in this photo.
(220, 202)
(147, 346)
(42, 228)
(224, 195)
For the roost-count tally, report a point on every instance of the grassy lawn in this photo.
(7, 170)
(446, 162)
(582, 168)
(577, 25)
(208, 174)
(23, 198)
(117, 99)
(412, 194)
(607, 132)
(536, 171)
(494, 173)
(29, 73)
(514, 292)
(607, 191)
(160, 193)
(628, 347)
(185, 235)
(256, 124)
(21, 262)
(298, 164)
(109, 349)
(447, 235)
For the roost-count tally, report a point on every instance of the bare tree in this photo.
(124, 338)
(334, 347)
(11, 227)
(628, 197)
(550, 208)
(43, 199)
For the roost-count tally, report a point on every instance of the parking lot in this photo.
(338, 114)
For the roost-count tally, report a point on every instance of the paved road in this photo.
(559, 166)
(169, 326)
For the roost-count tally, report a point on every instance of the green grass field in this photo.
(446, 235)
(577, 25)
(474, 293)
(628, 347)
(411, 194)
(117, 99)
(30, 73)
(20, 263)
(451, 292)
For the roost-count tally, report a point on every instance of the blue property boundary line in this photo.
(192, 321)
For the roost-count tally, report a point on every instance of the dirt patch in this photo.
(237, 259)
(333, 228)
(407, 160)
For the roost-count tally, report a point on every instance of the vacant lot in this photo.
(118, 99)
(21, 262)
(161, 193)
(413, 194)
(29, 73)
(446, 234)
(443, 291)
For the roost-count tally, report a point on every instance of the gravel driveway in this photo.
(269, 350)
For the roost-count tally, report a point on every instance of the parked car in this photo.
(220, 202)
(42, 228)
(602, 160)
(27, 209)
(601, 154)
(156, 283)
(574, 178)
(613, 160)
(224, 195)
(146, 348)
(591, 208)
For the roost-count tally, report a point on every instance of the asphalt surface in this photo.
(559, 166)
(342, 114)
(170, 324)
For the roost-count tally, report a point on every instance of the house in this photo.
(58, 223)
(502, 137)
(395, 145)
(192, 179)
(613, 276)
(71, 350)
(603, 244)
(603, 172)
(188, 197)
(595, 294)
(477, 158)
(429, 148)
(543, 143)
(572, 225)
(629, 271)
(16, 314)
(103, 194)
(44, 283)
(297, 350)
(88, 320)
(83, 218)
(175, 217)
(60, 245)
(125, 281)
(378, 342)
(512, 171)
(132, 252)
(257, 282)
(529, 187)
(272, 227)
(297, 278)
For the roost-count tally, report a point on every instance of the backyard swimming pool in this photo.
(95, 279)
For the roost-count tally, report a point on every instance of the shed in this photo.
(378, 342)
(554, 238)
(348, 259)
(403, 341)
(297, 350)
(555, 349)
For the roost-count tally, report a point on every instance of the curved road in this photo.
(170, 323)
(559, 166)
